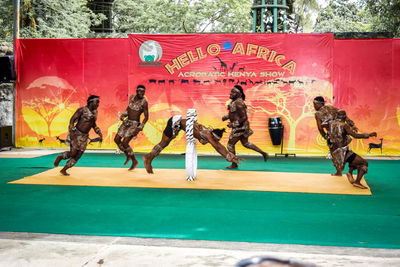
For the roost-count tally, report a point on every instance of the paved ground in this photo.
(30, 249)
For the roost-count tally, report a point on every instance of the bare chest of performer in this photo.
(86, 120)
(135, 108)
(237, 111)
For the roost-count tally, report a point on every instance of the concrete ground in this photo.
(33, 249)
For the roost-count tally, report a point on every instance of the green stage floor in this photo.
(251, 216)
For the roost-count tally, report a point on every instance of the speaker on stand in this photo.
(276, 130)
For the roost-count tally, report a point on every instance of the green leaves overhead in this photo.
(360, 16)
(75, 19)
(343, 16)
(180, 16)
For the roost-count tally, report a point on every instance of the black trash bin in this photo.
(275, 130)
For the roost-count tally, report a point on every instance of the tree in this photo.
(386, 15)
(57, 19)
(50, 107)
(303, 10)
(179, 16)
(344, 16)
(6, 20)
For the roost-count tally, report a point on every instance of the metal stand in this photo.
(284, 154)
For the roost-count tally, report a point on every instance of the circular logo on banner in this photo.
(150, 51)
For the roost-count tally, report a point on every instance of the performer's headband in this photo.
(93, 99)
(237, 90)
(319, 101)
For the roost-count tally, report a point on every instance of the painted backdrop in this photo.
(280, 74)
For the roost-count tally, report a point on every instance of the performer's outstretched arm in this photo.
(221, 149)
(351, 132)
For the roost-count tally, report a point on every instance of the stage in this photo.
(265, 202)
(206, 179)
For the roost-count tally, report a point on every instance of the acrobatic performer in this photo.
(339, 132)
(131, 126)
(240, 124)
(324, 116)
(203, 134)
(85, 119)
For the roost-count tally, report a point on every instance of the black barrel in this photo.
(275, 130)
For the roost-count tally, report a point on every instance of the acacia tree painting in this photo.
(50, 106)
(292, 101)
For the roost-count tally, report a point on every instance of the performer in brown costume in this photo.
(240, 124)
(85, 119)
(339, 132)
(324, 116)
(131, 126)
(203, 134)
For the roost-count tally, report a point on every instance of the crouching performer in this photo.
(80, 124)
(203, 134)
(339, 132)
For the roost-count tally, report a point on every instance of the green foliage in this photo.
(179, 16)
(386, 15)
(73, 18)
(48, 19)
(343, 16)
(57, 19)
(6, 20)
(303, 10)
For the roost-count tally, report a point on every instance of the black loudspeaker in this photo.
(7, 69)
(5, 136)
(275, 130)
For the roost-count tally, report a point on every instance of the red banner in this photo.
(367, 86)
(280, 74)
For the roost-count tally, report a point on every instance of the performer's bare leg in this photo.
(75, 156)
(130, 155)
(231, 148)
(249, 145)
(350, 174)
(64, 155)
(339, 171)
(362, 168)
(118, 141)
(148, 158)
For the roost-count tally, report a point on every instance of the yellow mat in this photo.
(12, 156)
(206, 179)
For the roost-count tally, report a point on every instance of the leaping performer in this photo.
(240, 125)
(131, 126)
(200, 132)
(338, 135)
(80, 124)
